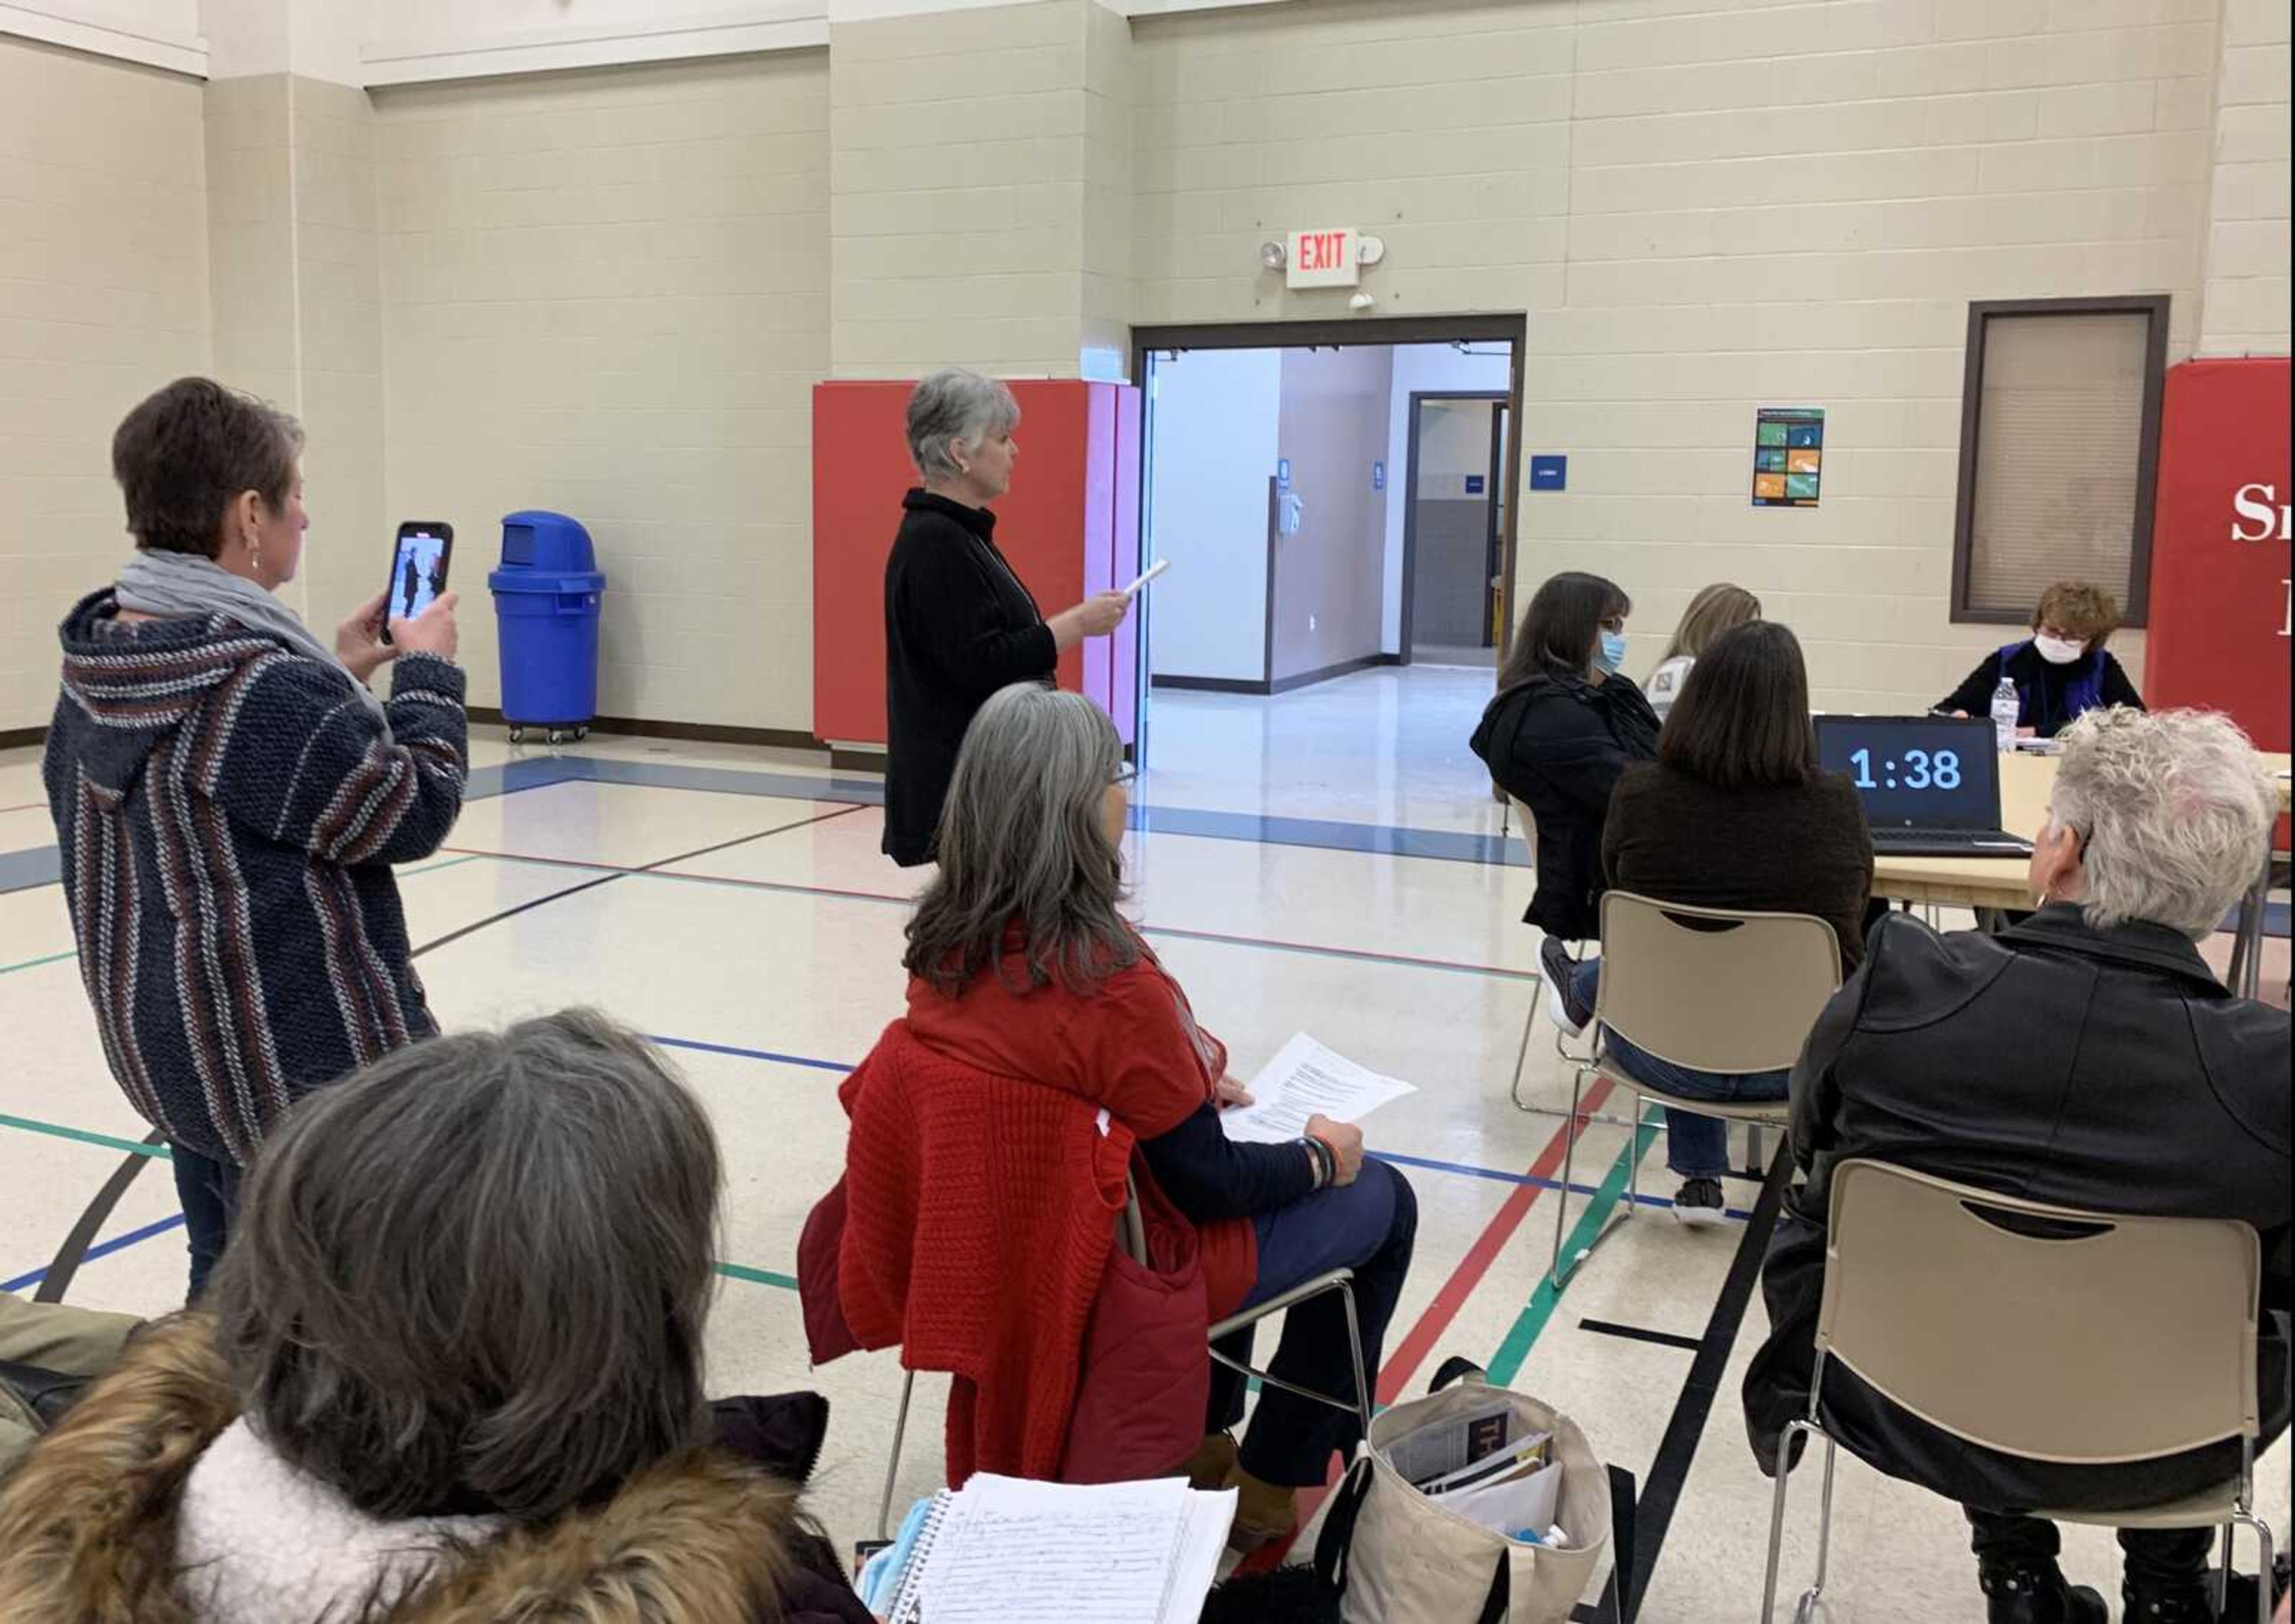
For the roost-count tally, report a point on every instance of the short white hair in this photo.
(956, 403)
(2176, 810)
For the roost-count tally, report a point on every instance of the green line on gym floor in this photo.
(58, 1130)
(758, 1276)
(1524, 1333)
(29, 963)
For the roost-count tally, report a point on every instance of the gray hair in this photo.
(2177, 811)
(956, 404)
(473, 1277)
(1021, 843)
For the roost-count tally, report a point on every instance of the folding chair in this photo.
(1132, 1234)
(1529, 826)
(2019, 1340)
(1704, 988)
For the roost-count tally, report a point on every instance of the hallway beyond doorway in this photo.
(1386, 746)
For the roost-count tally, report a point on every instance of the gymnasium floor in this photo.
(731, 903)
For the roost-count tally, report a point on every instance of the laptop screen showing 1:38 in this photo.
(1932, 772)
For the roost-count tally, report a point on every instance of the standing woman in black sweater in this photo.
(958, 624)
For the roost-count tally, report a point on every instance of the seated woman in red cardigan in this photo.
(1019, 965)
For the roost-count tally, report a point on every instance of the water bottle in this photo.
(2004, 715)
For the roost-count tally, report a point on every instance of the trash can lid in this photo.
(535, 538)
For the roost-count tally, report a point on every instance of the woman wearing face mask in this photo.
(1564, 724)
(959, 623)
(2061, 672)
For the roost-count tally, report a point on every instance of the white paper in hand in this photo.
(1153, 570)
(1307, 1079)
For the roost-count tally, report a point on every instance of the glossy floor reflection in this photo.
(749, 923)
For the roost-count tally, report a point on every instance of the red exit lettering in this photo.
(1321, 250)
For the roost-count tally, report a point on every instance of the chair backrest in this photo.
(2078, 1337)
(1711, 989)
(1527, 822)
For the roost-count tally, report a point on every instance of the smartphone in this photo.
(418, 561)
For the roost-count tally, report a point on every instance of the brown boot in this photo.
(1263, 1512)
(1208, 1466)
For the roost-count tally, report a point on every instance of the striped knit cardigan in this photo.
(227, 813)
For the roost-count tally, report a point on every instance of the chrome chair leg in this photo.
(1814, 1596)
(893, 1466)
(1522, 1053)
(1569, 1163)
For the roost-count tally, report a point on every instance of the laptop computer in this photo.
(1931, 785)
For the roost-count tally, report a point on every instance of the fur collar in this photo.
(88, 1525)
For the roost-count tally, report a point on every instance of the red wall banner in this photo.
(2218, 631)
(1069, 526)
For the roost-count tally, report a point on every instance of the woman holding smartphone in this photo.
(229, 797)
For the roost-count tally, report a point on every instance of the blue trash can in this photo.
(547, 594)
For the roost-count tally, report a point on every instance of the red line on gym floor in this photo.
(1435, 1318)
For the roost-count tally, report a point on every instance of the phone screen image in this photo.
(417, 574)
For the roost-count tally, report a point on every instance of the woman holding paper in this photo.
(959, 623)
(1019, 964)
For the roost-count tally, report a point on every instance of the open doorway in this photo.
(1333, 502)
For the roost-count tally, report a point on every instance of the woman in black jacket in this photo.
(1564, 724)
(958, 624)
(1735, 813)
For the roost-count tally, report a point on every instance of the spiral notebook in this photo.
(1004, 1550)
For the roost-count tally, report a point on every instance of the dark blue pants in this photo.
(208, 1189)
(1368, 1226)
(1695, 1146)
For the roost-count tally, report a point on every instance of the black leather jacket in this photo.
(2105, 1069)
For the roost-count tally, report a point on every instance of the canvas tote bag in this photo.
(1398, 1556)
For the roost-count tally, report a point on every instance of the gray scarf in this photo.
(182, 583)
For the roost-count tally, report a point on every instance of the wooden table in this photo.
(1998, 882)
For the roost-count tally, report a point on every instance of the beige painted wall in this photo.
(607, 293)
(103, 298)
(2246, 249)
(1703, 212)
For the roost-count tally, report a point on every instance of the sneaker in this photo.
(1699, 1204)
(1561, 1001)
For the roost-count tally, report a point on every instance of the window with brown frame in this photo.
(2059, 450)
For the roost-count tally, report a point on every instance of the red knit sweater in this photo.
(955, 1179)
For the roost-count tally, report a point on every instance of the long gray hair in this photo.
(1021, 845)
(473, 1277)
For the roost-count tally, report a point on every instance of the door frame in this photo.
(1499, 401)
(1511, 330)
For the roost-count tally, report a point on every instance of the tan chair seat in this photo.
(2212, 1509)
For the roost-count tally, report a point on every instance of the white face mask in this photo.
(2058, 650)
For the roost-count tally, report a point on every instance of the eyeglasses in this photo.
(1124, 777)
(1613, 623)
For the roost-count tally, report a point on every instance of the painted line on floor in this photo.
(1522, 1336)
(45, 958)
(119, 1242)
(834, 893)
(757, 1277)
(139, 1148)
(1662, 1486)
(1502, 1176)
(1640, 1334)
(739, 1053)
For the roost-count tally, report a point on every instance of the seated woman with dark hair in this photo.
(452, 1374)
(1565, 722)
(1021, 968)
(2059, 673)
(1735, 813)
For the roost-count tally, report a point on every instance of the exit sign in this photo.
(1325, 258)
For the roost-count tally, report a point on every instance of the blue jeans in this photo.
(1368, 1226)
(1695, 1146)
(209, 1192)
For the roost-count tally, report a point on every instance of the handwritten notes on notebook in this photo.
(1007, 1551)
(1307, 1079)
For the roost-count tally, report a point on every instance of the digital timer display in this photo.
(1922, 770)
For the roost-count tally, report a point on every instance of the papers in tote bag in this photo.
(1004, 1550)
(1307, 1079)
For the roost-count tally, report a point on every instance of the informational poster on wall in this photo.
(1788, 456)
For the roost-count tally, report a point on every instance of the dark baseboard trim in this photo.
(1308, 679)
(12, 738)
(1214, 685)
(844, 760)
(696, 733)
